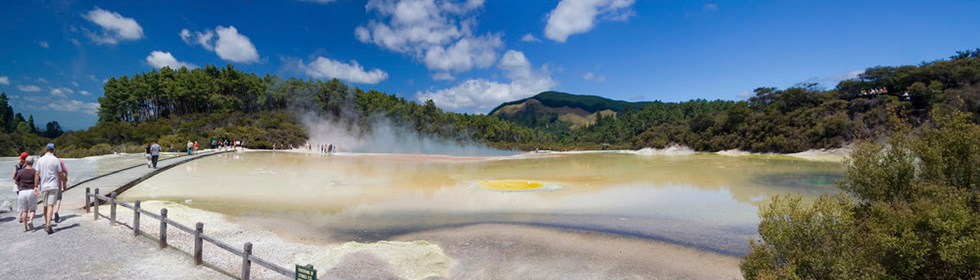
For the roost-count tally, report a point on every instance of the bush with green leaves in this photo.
(910, 210)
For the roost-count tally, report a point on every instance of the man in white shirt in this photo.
(50, 176)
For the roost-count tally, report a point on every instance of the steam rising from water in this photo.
(387, 137)
(381, 135)
(672, 150)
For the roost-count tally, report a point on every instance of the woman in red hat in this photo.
(20, 165)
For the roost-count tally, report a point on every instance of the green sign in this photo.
(305, 272)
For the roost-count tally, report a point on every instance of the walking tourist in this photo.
(155, 153)
(17, 167)
(149, 159)
(62, 187)
(49, 175)
(26, 181)
(190, 145)
(20, 165)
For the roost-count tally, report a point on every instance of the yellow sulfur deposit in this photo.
(511, 185)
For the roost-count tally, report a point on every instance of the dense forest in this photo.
(801, 117)
(174, 106)
(18, 134)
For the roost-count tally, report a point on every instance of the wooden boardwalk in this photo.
(121, 180)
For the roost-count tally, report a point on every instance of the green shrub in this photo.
(915, 214)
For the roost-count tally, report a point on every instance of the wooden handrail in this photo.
(222, 245)
(246, 255)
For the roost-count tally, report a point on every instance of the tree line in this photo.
(801, 117)
(214, 102)
(18, 134)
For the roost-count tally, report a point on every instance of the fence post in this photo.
(163, 228)
(112, 208)
(136, 218)
(198, 244)
(246, 264)
(96, 196)
(88, 192)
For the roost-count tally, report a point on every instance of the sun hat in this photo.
(23, 156)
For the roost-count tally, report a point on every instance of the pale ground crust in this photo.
(485, 251)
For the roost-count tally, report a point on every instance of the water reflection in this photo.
(702, 200)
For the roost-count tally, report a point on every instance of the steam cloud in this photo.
(381, 135)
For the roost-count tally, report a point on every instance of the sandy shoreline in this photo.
(484, 251)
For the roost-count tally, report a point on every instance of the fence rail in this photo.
(198, 233)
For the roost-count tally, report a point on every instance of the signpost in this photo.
(305, 272)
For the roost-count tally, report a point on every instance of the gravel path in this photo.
(81, 248)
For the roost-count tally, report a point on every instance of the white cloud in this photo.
(84, 93)
(229, 44)
(328, 68)
(482, 94)
(745, 94)
(530, 38)
(589, 76)
(159, 59)
(4, 80)
(62, 92)
(29, 88)
(74, 106)
(115, 27)
(205, 39)
(232, 46)
(572, 17)
(436, 33)
(463, 55)
(42, 80)
(93, 78)
(43, 44)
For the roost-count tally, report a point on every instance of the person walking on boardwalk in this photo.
(17, 167)
(62, 187)
(26, 181)
(190, 146)
(49, 179)
(155, 153)
(149, 159)
(20, 165)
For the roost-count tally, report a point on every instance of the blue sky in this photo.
(469, 56)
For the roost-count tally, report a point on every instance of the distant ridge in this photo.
(559, 110)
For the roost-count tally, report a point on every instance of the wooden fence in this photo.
(301, 272)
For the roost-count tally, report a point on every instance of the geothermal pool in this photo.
(703, 201)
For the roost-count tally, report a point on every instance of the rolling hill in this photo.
(552, 110)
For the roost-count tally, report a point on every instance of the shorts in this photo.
(26, 201)
(50, 197)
